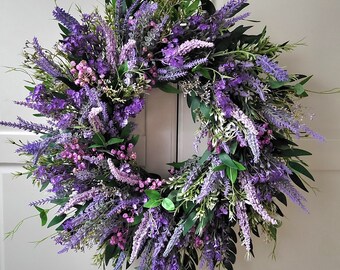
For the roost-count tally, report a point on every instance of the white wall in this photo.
(306, 241)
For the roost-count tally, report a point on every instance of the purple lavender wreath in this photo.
(94, 83)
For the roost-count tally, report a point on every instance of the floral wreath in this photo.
(94, 83)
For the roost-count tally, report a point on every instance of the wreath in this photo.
(92, 85)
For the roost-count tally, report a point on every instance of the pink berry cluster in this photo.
(198, 242)
(129, 218)
(74, 152)
(85, 74)
(124, 152)
(149, 183)
(264, 135)
(118, 237)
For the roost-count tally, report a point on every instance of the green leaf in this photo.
(176, 165)
(152, 203)
(114, 141)
(205, 110)
(95, 146)
(152, 194)
(297, 167)
(294, 152)
(220, 168)
(192, 8)
(304, 81)
(64, 29)
(134, 139)
(232, 174)
(168, 204)
(44, 186)
(42, 214)
(109, 252)
(204, 71)
(126, 130)
(204, 157)
(29, 88)
(56, 220)
(195, 104)
(99, 139)
(226, 159)
(282, 198)
(240, 166)
(297, 181)
(299, 90)
(189, 223)
(204, 221)
(137, 220)
(275, 84)
(168, 88)
(233, 148)
(60, 201)
(122, 69)
(188, 207)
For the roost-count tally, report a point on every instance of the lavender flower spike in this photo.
(122, 176)
(140, 236)
(251, 131)
(251, 194)
(242, 217)
(190, 45)
(272, 68)
(65, 18)
(126, 50)
(94, 120)
(110, 45)
(173, 240)
(172, 76)
(78, 198)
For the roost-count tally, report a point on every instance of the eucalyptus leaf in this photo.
(168, 205)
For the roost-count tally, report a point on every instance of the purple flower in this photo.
(253, 199)
(173, 240)
(135, 107)
(286, 187)
(65, 18)
(242, 217)
(44, 63)
(190, 45)
(272, 68)
(250, 131)
(120, 176)
(79, 198)
(140, 236)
